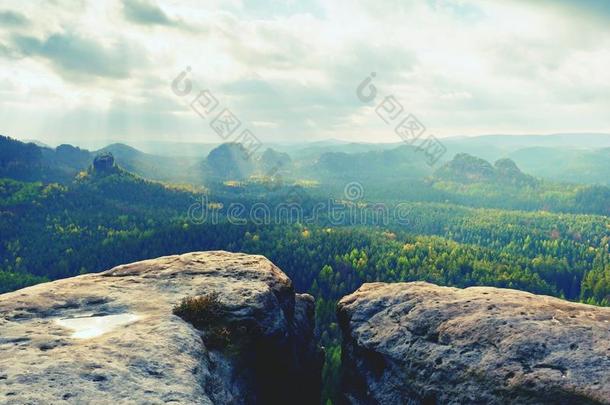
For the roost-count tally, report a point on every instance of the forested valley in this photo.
(105, 216)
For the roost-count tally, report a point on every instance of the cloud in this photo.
(76, 57)
(147, 13)
(599, 9)
(5, 51)
(13, 19)
(289, 69)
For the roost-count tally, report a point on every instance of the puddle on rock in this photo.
(89, 326)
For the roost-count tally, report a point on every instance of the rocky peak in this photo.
(465, 168)
(508, 171)
(507, 166)
(68, 153)
(114, 335)
(103, 163)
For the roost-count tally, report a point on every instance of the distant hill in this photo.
(272, 161)
(30, 162)
(466, 169)
(493, 147)
(229, 161)
(574, 158)
(37, 143)
(20, 161)
(400, 162)
(566, 164)
(310, 152)
(175, 149)
(572, 140)
(154, 167)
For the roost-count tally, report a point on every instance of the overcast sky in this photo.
(289, 69)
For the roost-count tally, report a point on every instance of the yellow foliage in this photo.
(408, 247)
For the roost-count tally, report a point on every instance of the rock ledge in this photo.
(132, 349)
(417, 343)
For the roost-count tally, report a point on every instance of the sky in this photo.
(289, 71)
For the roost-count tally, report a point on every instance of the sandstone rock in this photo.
(139, 352)
(103, 163)
(416, 343)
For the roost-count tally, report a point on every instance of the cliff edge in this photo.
(116, 337)
(417, 343)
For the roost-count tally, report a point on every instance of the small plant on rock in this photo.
(201, 311)
(207, 314)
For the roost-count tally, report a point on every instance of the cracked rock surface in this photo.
(132, 349)
(417, 343)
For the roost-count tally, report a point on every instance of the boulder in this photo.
(417, 343)
(113, 336)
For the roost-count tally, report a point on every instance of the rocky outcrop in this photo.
(112, 337)
(416, 343)
(103, 163)
(467, 169)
